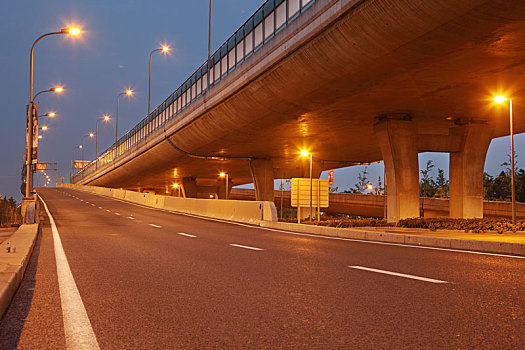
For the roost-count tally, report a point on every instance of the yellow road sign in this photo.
(301, 192)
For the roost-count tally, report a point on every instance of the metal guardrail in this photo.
(269, 19)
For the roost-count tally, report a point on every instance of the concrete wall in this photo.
(373, 206)
(250, 212)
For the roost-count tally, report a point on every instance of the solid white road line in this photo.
(419, 278)
(157, 226)
(317, 236)
(131, 217)
(245, 247)
(77, 327)
(186, 235)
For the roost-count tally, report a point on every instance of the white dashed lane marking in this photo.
(419, 278)
(186, 235)
(245, 247)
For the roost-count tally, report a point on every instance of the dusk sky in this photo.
(109, 56)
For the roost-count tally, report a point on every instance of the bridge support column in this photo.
(466, 170)
(262, 176)
(190, 187)
(398, 142)
(221, 188)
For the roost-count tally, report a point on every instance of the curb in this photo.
(429, 241)
(13, 264)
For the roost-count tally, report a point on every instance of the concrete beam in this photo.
(398, 142)
(466, 170)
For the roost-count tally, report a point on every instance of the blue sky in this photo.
(111, 55)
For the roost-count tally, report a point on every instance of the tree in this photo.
(9, 212)
(442, 186)
(362, 182)
(427, 185)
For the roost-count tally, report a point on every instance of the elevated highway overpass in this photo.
(353, 81)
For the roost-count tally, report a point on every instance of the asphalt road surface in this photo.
(150, 279)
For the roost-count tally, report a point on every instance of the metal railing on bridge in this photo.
(269, 19)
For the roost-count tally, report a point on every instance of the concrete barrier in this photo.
(251, 212)
(13, 263)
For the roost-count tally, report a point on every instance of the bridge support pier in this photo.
(398, 142)
(221, 188)
(262, 176)
(190, 187)
(466, 170)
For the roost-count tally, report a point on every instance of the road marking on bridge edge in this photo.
(77, 327)
(186, 235)
(245, 247)
(403, 245)
(419, 278)
(157, 226)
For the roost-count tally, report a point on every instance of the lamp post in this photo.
(83, 138)
(75, 151)
(501, 99)
(30, 108)
(305, 153)
(164, 49)
(129, 93)
(104, 118)
(209, 48)
(73, 161)
(226, 176)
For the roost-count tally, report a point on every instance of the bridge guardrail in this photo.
(269, 19)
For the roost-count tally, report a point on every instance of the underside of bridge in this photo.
(352, 82)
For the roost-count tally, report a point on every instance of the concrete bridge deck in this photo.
(340, 79)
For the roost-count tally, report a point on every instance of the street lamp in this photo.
(305, 153)
(164, 49)
(30, 107)
(57, 89)
(209, 47)
(128, 93)
(225, 175)
(501, 99)
(177, 186)
(49, 114)
(44, 127)
(104, 118)
(83, 138)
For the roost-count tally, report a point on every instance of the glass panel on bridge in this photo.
(248, 42)
(224, 65)
(240, 51)
(268, 25)
(258, 35)
(293, 8)
(280, 17)
(231, 59)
